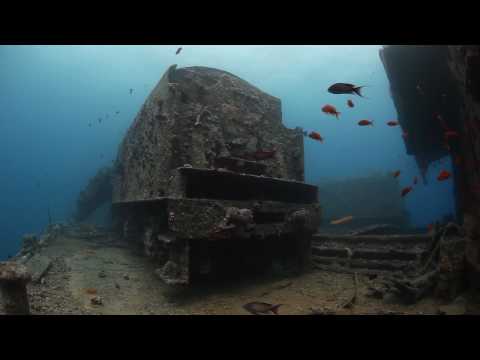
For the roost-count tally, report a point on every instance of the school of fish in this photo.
(351, 89)
(329, 109)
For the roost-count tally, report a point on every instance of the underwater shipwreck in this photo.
(209, 184)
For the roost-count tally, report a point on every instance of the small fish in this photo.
(396, 174)
(305, 133)
(350, 103)
(263, 155)
(117, 112)
(450, 133)
(444, 175)
(342, 220)
(257, 307)
(99, 120)
(91, 291)
(365, 123)
(89, 124)
(131, 91)
(405, 135)
(392, 123)
(315, 136)
(343, 88)
(406, 190)
(178, 51)
(430, 227)
(415, 180)
(330, 110)
(9, 257)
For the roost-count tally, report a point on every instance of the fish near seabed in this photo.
(178, 51)
(344, 88)
(257, 308)
(342, 220)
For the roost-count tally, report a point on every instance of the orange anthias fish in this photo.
(331, 110)
(365, 123)
(315, 136)
(350, 103)
(342, 220)
(450, 133)
(263, 155)
(430, 227)
(415, 180)
(444, 175)
(396, 174)
(406, 190)
(392, 123)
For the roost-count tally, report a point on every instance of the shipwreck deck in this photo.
(125, 283)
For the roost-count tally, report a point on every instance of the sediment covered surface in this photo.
(99, 275)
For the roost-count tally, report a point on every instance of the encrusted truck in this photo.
(209, 181)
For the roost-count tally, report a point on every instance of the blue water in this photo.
(49, 95)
